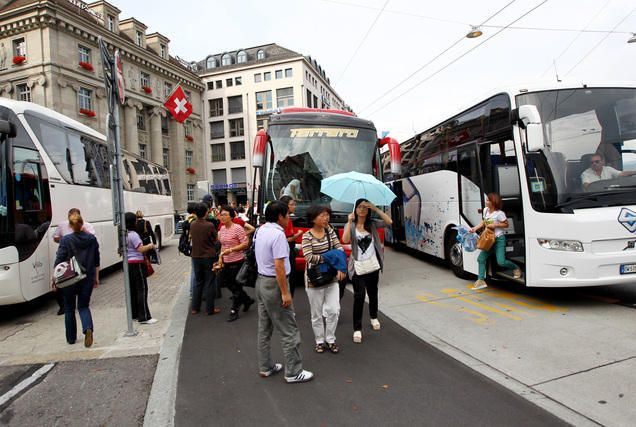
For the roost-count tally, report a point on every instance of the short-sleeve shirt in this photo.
(230, 237)
(495, 217)
(271, 244)
(589, 176)
(133, 243)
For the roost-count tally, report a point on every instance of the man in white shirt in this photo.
(598, 171)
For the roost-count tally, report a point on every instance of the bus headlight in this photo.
(561, 245)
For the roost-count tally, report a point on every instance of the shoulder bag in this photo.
(486, 239)
(248, 272)
(68, 273)
(316, 276)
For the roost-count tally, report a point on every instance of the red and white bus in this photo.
(302, 146)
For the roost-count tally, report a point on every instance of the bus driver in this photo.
(598, 171)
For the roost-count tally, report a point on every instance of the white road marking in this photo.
(25, 383)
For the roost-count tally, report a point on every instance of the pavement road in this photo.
(393, 378)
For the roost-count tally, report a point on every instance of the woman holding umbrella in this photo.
(365, 262)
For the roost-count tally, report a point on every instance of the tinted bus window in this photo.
(53, 139)
(499, 117)
(4, 197)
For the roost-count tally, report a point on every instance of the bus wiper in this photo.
(593, 196)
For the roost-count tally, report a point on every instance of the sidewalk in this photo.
(36, 334)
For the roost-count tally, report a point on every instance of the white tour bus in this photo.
(531, 145)
(49, 164)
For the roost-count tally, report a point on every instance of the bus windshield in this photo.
(304, 154)
(589, 158)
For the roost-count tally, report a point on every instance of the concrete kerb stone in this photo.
(160, 409)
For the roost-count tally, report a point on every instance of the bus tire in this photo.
(454, 255)
(158, 237)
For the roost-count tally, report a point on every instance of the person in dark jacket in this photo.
(203, 256)
(85, 248)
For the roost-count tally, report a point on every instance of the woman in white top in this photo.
(496, 220)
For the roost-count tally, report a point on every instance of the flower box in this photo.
(19, 59)
(87, 112)
(189, 138)
(86, 65)
(147, 89)
(191, 171)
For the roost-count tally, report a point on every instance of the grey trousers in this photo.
(271, 315)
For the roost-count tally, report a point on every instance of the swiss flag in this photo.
(178, 105)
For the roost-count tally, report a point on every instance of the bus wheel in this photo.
(158, 236)
(454, 255)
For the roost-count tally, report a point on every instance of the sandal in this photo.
(333, 348)
(320, 348)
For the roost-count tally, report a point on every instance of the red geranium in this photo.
(86, 65)
(189, 138)
(147, 89)
(191, 171)
(19, 59)
(87, 112)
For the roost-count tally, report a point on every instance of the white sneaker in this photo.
(479, 284)
(375, 324)
(271, 371)
(149, 322)
(302, 377)
(357, 337)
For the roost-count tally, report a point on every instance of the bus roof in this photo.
(307, 116)
(21, 107)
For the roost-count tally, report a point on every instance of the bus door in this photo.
(471, 199)
(500, 175)
(398, 234)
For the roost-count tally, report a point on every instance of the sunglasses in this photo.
(596, 161)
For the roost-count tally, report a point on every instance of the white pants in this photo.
(324, 302)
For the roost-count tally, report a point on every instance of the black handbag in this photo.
(248, 272)
(319, 278)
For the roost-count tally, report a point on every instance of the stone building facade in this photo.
(49, 55)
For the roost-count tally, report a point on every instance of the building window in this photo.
(238, 175)
(187, 128)
(218, 152)
(24, 92)
(236, 127)
(190, 191)
(166, 158)
(162, 51)
(216, 107)
(142, 151)
(264, 100)
(210, 85)
(279, 74)
(308, 98)
(229, 82)
(219, 84)
(164, 125)
(260, 54)
(237, 150)
(238, 81)
(226, 59)
(19, 47)
(217, 130)
(288, 72)
(144, 79)
(267, 76)
(261, 124)
(141, 121)
(139, 38)
(188, 158)
(241, 57)
(257, 78)
(315, 101)
(111, 23)
(210, 62)
(235, 104)
(285, 97)
(85, 98)
(84, 54)
(219, 176)
(167, 89)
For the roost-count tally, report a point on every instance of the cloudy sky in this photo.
(368, 47)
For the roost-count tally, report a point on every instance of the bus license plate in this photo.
(628, 268)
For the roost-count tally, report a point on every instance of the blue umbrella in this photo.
(350, 186)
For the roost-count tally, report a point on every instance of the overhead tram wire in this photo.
(456, 59)
(432, 60)
(576, 38)
(600, 42)
(362, 41)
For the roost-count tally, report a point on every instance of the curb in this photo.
(160, 409)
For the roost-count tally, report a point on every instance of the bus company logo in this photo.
(323, 133)
(627, 218)
(37, 264)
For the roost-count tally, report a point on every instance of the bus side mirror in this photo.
(529, 119)
(7, 128)
(260, 145)
(395, 154)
